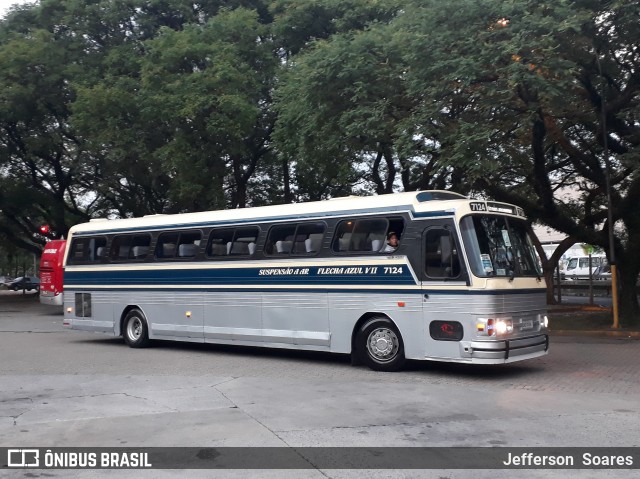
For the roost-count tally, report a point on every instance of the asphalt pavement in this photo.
(61, 388)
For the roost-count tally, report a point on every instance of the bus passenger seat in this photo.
(123, 251)
(376, 245)
(218, 250)
(187, 250)
(313, 242)
(299, 245)
(239, 248)
(139, 251)
(344, 242)
(99, 252)
(252, 247)
(168, 250)
(284, 246)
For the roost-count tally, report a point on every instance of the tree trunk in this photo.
(375, 173)
(549, 264)
(286, 177)
(628, 271)
(548, 269)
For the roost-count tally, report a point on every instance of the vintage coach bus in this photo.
(462, 283)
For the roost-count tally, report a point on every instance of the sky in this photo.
(5, 4)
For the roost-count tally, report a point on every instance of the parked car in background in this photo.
(27, 283)
(578, 267)
(602, 272)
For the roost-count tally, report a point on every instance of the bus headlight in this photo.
(545, 321)
(494, 327)
(504, 326)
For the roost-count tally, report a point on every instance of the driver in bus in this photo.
(392, 243)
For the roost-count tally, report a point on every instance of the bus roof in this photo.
(417, 201)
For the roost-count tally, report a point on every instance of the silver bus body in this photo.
(320, 300)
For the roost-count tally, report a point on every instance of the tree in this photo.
(211, 84)
(344, 108)
(40, 155)
(518, 89)
(297, 25)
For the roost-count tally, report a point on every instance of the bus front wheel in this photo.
(136, 331)
(379, 345)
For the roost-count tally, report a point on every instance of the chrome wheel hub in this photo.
(383, 344)
(134, 329)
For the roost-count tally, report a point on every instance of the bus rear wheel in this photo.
(136, 331)
(379, 345)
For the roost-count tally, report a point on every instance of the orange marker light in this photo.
(402, 304)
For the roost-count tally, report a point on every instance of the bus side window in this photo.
(440, 254)
(280, 240)
(178, 244)
(188, 244)
(308, 238)
(370, 230)
(218, 241)
(77, 253)
(97, 248)
(120, 246)
(342, 236)
(297, 239)
(139, 247)
(87, 250)
(244, 241)
(360, 235)
(166, 247)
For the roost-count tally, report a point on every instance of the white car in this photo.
(578, 267)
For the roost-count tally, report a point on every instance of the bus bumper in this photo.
(504, 351)
(50, 299)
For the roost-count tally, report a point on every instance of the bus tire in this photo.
(379, 345)
(136, 330)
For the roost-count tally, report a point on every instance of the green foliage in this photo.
(299, 24)
(513, 91)
(192, 111)
(130, 107)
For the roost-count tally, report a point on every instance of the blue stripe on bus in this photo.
(312, 275)
(296, 217)
(258, 289)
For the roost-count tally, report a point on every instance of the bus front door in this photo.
(444, 284)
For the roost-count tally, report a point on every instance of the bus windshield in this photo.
(499, 246)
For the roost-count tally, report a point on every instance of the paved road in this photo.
(61, 388)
